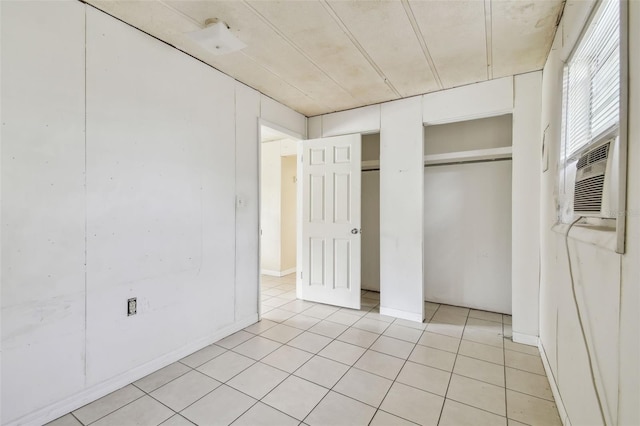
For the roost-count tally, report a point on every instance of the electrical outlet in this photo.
(132, 306)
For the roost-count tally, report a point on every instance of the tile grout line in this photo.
(365, 348)
(119, 408)
(504, 356)
(341, 377)
(446, 392)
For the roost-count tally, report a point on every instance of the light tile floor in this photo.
(313, 364)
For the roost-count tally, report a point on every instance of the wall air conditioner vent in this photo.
(593, 187)
(599, 154)
(588, 195)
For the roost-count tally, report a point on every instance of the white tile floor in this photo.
(313, 364)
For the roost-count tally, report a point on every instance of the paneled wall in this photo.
(606, 282)
(129, 169)
(401, 252)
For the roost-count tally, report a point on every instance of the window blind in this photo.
(591, 83)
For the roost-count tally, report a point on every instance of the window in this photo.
(591, 95)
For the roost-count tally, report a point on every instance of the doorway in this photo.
(467, 213)
(370, 202)
(278, 206)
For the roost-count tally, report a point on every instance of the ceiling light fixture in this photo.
(216, 38)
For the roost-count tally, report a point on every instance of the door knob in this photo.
(354, 231)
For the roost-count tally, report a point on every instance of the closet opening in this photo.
(370, 216)
(467, 213)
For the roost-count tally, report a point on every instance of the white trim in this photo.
(470, 117)
(271, 273)
(92, 393)
(599, 236)
(277, 127)
(410, 316)
(525, 339)
(555, 390)
(465, 156)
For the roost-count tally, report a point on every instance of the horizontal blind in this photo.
(592, 81)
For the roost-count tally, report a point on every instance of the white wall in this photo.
(519, 95)
(467, 235)
(288, 212)
(278, 207)
(270, 206)
(607, 283)
(401, 204)
(160, 193)
(43, 205)
(487, 99)
(525, 213)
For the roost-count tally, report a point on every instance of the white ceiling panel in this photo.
(269, 49)
(150, 16)
(311, 29)
(454, 32)
(384, 31)
(320, 56)
(522, 34)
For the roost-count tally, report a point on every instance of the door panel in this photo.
(331, 173)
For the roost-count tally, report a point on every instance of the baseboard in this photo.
(277, 273)
(525, 339)
(562, 411)
(73, 402)
(410, 316)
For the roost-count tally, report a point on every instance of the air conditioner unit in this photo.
(596, 188)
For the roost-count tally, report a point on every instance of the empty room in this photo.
(320, 212)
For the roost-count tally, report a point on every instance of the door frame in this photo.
(299, 137)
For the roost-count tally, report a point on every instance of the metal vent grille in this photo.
(588, 194)
(598, 154)
(582, 162)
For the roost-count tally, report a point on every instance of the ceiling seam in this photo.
(488, 31)
(355, 42)
(422, 42)
(181, 13)
(295, 46)
(283, 79)
(259, 64)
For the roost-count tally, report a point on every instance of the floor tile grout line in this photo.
(504, 355)
(477, 408)
(396, 378)
(446, 392)
(74, 416)
(341, 377)
(178, 414)
(119, 408)
(350, 366)
(166, 383)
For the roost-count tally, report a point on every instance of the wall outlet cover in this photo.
(132, 306)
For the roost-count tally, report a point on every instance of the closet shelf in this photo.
(467, 156)
(370, 165)
(455, 157)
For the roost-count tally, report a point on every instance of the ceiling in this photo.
(320, 56)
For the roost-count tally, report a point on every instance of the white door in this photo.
(330, 242)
